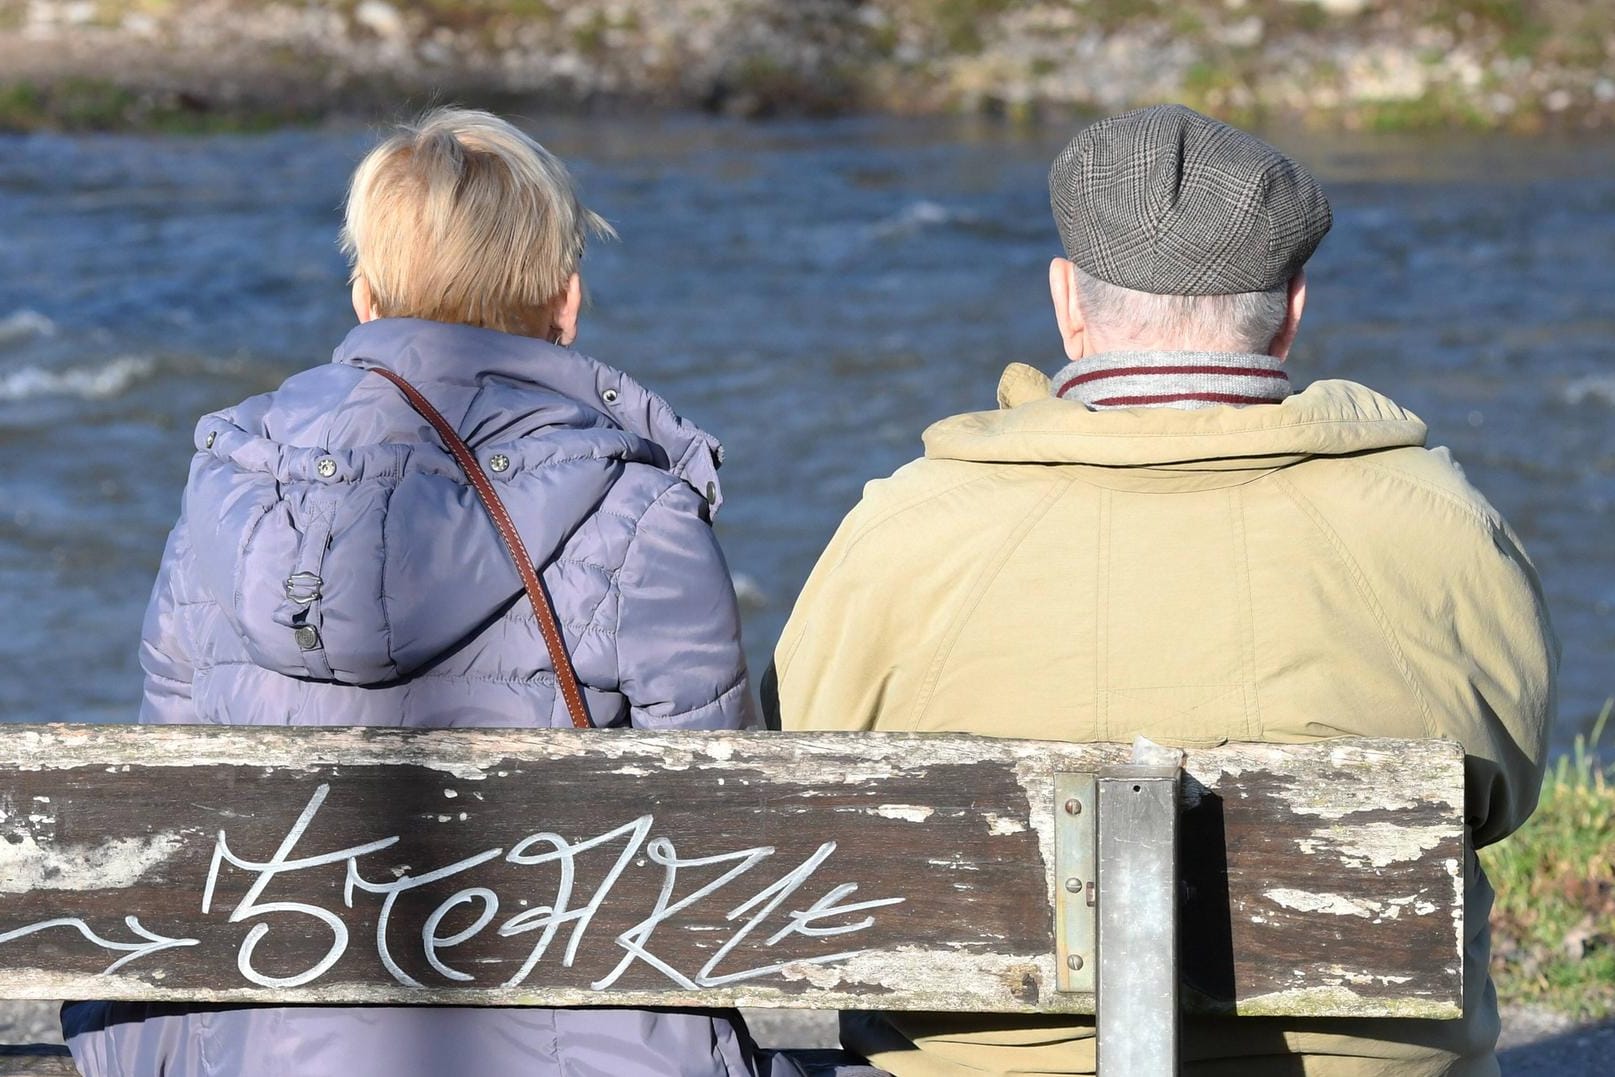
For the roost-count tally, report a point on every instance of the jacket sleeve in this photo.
(165, 645)
(1498, 697)
(679, 656)
(833, 667)
(1465, 607)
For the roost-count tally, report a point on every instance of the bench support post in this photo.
(1138, 922)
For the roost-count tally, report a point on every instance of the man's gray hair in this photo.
(1242, 321)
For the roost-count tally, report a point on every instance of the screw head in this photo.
(1073, 885)
(1073, 806)
(1074, 962)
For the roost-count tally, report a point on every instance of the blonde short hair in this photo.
(460, 217)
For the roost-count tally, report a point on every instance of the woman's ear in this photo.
(364, 302)
(1280, 348)
(1067, 310)
(564, 315)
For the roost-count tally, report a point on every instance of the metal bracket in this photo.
(1076, 875)
(1137, 1004)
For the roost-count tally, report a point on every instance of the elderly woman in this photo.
(336, 563)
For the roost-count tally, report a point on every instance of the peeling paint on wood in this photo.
(1331, 904)
(29, 863)
(568, 868)
(913, 813)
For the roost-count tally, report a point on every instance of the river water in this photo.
(813, 292)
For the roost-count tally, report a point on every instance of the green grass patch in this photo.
(82, 104)
(1303, 18)
(959, 23)
(74, 104)
(1115, 14)
(1553, 927)
(591, 38)
(20, 105)
(1441, 108)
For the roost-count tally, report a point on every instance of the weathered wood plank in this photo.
(528, 867)
(38, 1067)
(36, 1060)
(1320, 879)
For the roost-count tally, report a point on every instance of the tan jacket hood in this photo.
(1329, 418)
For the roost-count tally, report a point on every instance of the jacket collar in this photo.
(424, 352)
(1329, 418)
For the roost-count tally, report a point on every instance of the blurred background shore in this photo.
(1521, 65)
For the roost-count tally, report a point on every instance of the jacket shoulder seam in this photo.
(978, 592)
(783, 662)
(673, 482)
(871, 526)
(1365, 590)
(1463, 505)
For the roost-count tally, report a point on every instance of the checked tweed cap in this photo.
(1168, 201)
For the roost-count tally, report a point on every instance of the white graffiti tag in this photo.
(133, 951)
(827, 916)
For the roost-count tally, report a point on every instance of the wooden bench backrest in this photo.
(553, 867)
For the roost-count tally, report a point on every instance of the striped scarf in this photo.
(1172, 380)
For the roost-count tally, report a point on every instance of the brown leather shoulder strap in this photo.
(565, 676)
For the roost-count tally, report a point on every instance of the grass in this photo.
(74, 104)
(84, 104)
(1437, 109)
(959, 22)
(1553, 927)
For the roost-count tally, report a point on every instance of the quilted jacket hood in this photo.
(344, 543)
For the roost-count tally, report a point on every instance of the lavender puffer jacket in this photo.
(419, 619)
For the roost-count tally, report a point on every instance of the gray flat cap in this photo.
(1168, 201)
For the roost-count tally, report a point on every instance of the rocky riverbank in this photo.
(101, 64)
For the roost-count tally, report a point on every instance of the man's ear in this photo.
(564, 315)
(364, 301)
(1280, 348)
(1067, 309)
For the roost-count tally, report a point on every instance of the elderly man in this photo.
(1165, 539)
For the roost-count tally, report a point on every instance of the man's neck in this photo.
(1172, 379)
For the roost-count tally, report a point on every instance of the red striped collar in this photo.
(1173, 380)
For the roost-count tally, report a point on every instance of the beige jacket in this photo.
(1282, 572)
